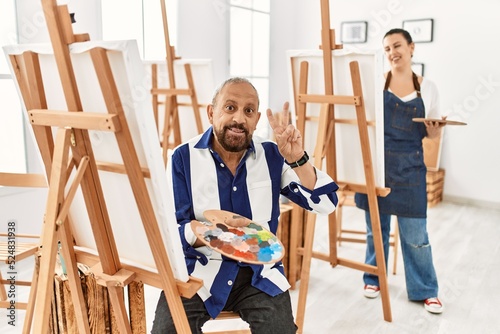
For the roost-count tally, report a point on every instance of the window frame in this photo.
(261, 82)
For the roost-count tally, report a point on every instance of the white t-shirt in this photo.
(430, 95)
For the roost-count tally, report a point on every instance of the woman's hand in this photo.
(434, 128)
(288, 138)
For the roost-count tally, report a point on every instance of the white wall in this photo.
(462, 60)
(33, 29)
(25, 207)
(202, 33)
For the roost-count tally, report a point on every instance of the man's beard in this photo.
(231, 143)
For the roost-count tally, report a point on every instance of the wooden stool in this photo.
(226, 315)
(12, 254)
(22, 249)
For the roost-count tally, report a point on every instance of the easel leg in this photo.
(294, 243)
(167, 126)
(333, 238)
(371, 193)
(305, 272)
(154, 85)
(311, 224)
(395, 246)
(117, 298)
(3, 292)
(194, 98)
(380, 269)
(75, 284)
(45, 286)
(28, 319)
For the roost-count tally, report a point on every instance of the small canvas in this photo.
(131, 80)
(350, 167)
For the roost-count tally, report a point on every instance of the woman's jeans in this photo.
(421, 280)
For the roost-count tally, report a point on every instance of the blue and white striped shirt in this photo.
(201, 181)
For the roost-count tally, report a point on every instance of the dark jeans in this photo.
(264, 313)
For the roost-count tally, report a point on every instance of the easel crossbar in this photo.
(147, 276)
(119, 168)
(171, 91)
(340, 120)
(77, 120)
(331, 99)
(340, 261)
(23, 180)
(121, 278)
(64, 210)
(363, 189)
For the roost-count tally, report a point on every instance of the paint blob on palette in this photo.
(251, 243)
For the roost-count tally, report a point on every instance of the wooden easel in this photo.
(72, 133)
(326, 147)
(171, 120)
(359, 236)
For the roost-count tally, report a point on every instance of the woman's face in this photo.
(398, 51)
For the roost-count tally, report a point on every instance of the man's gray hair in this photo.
(234, 80)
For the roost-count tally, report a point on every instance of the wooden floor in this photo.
(466, 250)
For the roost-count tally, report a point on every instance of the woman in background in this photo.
(406, 96)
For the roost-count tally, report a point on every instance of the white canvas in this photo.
(350, 166)
(204, 83)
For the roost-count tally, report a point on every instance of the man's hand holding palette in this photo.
(238, 238)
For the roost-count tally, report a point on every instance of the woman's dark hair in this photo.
(403, 32)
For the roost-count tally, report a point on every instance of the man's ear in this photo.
(258, 118)
(210, 113)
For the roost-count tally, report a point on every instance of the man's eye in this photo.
(229, 108)
(249, 110)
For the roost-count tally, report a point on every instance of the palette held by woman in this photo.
(249, 242)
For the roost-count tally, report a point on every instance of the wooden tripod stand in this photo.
(171, 116)
(326, 147)
(80, 182)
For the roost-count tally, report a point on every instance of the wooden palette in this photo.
(443, 121)
(251, 244)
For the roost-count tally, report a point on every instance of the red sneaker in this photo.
(371, 291)
(433, 305)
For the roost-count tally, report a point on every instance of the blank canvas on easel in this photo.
(349, 156)
(203, 78)
(130, 77)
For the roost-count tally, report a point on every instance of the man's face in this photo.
(234, 116)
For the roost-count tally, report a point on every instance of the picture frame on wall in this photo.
(418, 68)
(420, 30)
(353, 31)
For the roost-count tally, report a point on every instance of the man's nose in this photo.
(239, 116)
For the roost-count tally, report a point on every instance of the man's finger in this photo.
(286, 114)
(270, 117)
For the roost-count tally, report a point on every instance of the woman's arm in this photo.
(430, 95)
